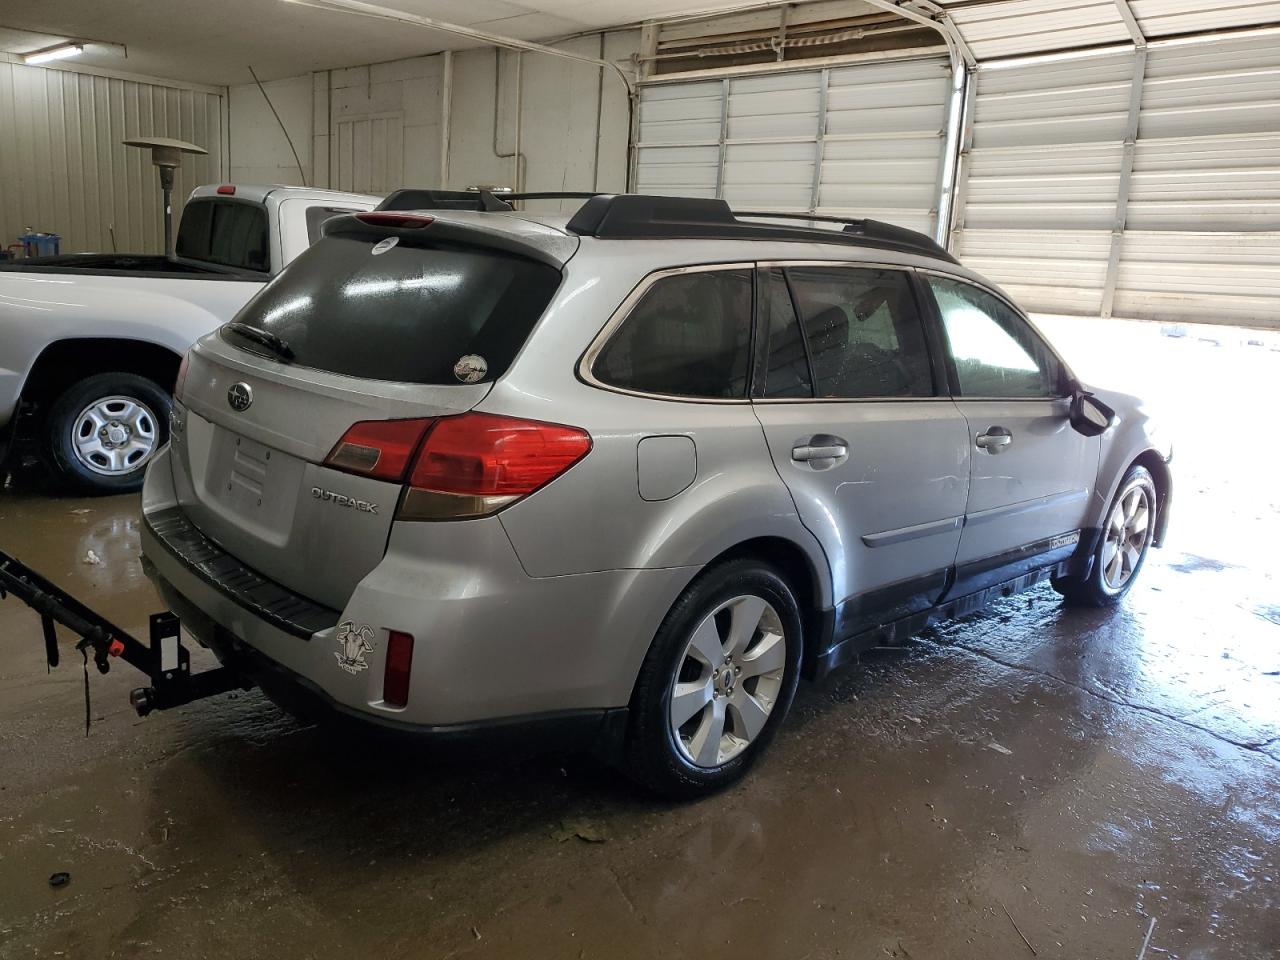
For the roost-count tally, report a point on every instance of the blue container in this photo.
(40, 244)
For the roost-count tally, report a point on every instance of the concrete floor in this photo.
(1033, 771)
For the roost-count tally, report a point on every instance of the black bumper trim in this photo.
(264, 598)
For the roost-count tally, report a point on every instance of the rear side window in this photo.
(864, 332)
(786, 365)
(232, 233)
(996, 352)
(689, 336)
(408, 314)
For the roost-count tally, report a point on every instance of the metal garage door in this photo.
(864, 140)
(1202, 229)
(1041, 177)
(1041, 189)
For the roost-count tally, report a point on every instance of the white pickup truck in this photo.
(90, 344)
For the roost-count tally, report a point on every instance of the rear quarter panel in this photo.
(593, 518)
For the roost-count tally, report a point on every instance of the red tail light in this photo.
(181, 383)
(477, 463)
(403, 220)
(380, 449)
(395, 676)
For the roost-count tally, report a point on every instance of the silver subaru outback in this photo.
(629, 474)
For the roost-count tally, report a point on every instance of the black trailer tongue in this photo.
(164, 659)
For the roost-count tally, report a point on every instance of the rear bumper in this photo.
(492, 644)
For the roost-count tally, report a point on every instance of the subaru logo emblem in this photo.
(239, 397)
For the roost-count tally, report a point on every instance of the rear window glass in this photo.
(408, 314)
(228, 232)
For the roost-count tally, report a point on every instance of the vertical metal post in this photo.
(959, 194)
(1126, 178)
(166, 186)
(446, 114)
(724, 135)
(819, 146)
(783, 17)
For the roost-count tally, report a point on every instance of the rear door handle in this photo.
(994, 440)
(821, 447)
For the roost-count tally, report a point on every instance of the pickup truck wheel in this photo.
(102, 431)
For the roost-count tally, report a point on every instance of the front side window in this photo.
(864, 332)
(689, 336)
(996, 352)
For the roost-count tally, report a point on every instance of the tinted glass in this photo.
(408, 314)
(786, 363)
(865, 335)
(688, 336)
(227, 232)
(996, 352)
(316, 217)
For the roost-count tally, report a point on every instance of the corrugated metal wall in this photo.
(864, 140)
(1202, 234)
(63, 168)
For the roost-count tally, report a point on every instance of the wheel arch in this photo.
(66, 361)
(1162, 477)
(797, 567)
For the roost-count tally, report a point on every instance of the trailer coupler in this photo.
(164, 659)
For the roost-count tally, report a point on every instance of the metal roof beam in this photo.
(1131, 23)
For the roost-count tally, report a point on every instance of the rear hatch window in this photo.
(381, 308)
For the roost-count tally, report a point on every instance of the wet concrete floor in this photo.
(1064, 776)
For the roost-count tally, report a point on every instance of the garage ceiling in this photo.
(204, 42)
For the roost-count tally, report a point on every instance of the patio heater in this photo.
(166, 154)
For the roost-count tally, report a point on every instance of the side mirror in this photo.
(1089, 415)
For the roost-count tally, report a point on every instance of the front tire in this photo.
(1127, 532)
(103, 431)
(717, 681)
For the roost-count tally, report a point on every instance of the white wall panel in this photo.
(63, 168)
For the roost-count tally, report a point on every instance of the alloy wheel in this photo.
(727, 681)
(1125, 538)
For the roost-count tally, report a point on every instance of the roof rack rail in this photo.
(415, 198)
(635, 216)
(638, 216)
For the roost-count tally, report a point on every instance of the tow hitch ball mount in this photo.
(164, 659)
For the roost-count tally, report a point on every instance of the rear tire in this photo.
(102, 432)
(732, 645)
(1127, 531)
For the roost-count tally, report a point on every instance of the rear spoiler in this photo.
(517, 237)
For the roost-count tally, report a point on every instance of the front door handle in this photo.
(995, 440)
(822, 447)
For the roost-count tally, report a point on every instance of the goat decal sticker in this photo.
(354, 642)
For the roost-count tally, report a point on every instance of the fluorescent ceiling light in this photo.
(60, 52)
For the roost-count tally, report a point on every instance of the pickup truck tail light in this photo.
(180, 384)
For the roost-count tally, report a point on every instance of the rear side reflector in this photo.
(411, 221)
(380, 449)
(399, 664)
(477, 463)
